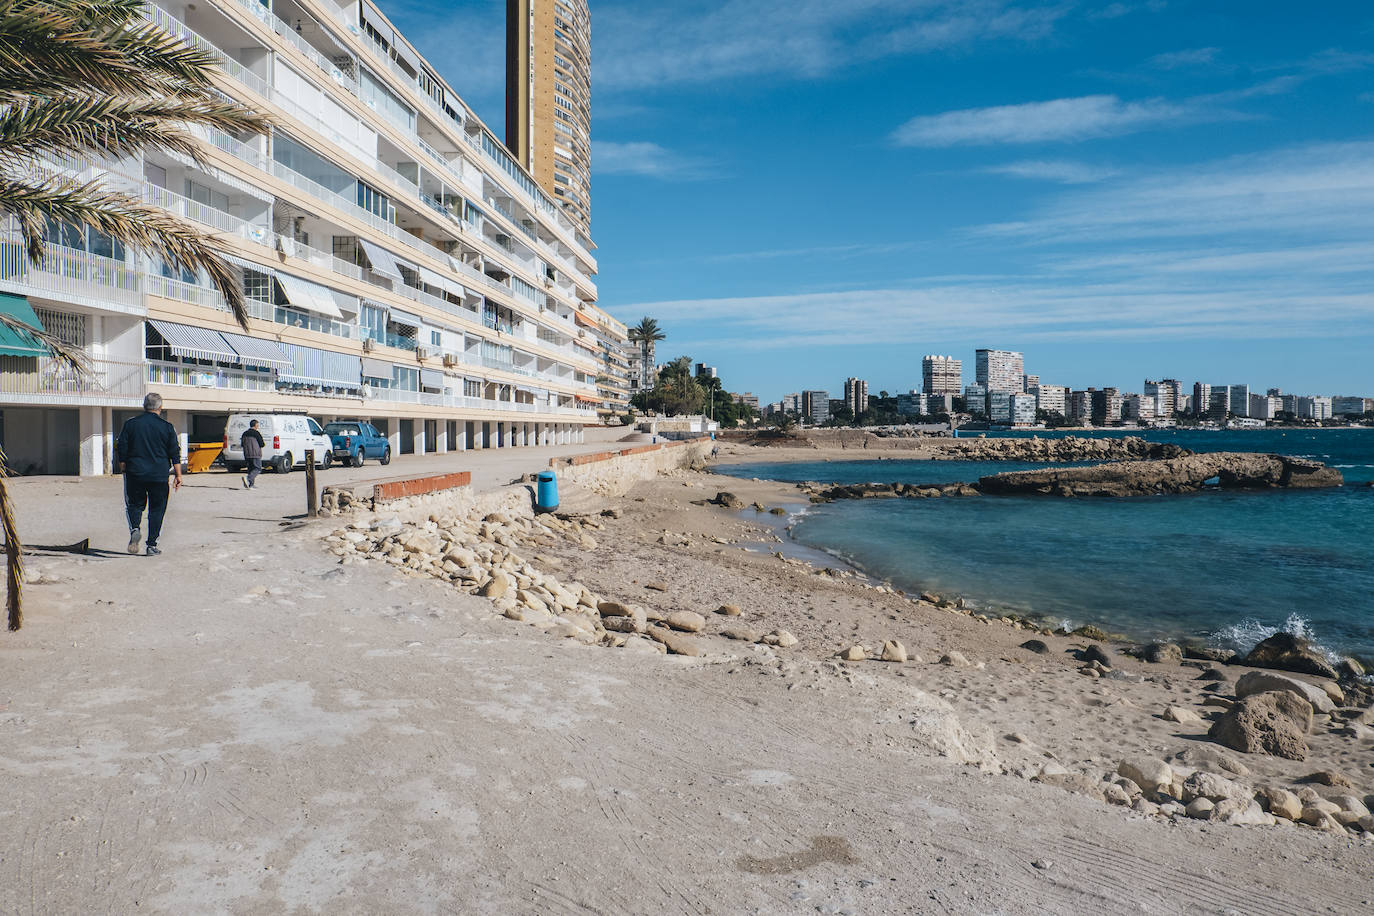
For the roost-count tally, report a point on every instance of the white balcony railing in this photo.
(68, 273)
(52, 380)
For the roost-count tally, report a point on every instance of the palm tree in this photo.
(93, 79)
(646, 334)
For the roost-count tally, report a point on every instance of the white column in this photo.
(91, 428)
(441, 437)
(417, 429)
(393, 435)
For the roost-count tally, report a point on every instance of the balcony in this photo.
(72, 276)
(52, 382)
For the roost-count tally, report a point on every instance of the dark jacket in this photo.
(252, 443)
(148, 447)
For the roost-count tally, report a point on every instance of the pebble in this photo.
(1182, 716)
(854, 654)
(686, 621)
(893, 651)
(954, 659)
(729, 610)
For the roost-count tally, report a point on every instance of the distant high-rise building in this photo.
(942, 374)
(1202, 398)
(910, 403)
(976, 400)
(548, 99)
(1143, 408)
(1022, 410)
(999, 406)
(1314, 408)
(1240, 400)
(748, 399)
(1052, 399)
(856, 395)
(1029, 382)
(1000, 370)
(705, 371)
(1288, 403)
(816, 405)
(1106, 406)
(1263, 407)
(937, 404)
(1219, 402)
(1166, 394)
(1345, 405)
(1081, 405)
(791, 403)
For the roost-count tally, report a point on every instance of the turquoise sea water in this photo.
(1227, 567)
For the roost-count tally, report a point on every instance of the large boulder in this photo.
(1274, 723)
(1264, 681)
(1287, 652)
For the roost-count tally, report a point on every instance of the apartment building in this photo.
(1029, 383)
(1314, 408)
(976, 399)
(1052, 399)
(1000, 370)
(856, 395)
(1219, 402)
(1167, 393)
(942, 375)
(816, 405)
(1240, 400)
(399, 264)
(1022, 409)
(1346, 405)
(548, 99)
(1202, 398)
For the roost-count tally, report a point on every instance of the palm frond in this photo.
(116, 127)
(124, 218)
(44, 49)
(14, 553)
(73, 357)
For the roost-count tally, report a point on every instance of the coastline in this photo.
(302, 710)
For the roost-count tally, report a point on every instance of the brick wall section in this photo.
(418, 486)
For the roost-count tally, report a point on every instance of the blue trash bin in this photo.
(546, 492)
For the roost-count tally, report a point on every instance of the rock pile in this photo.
(1188, 474)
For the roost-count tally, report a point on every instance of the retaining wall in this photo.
(613, 473)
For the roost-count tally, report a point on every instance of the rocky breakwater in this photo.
(1188, 474)
(1069, 448)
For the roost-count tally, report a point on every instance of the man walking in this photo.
(147, 447)
(252, 444)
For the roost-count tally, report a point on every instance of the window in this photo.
(207, 196)
(314, 427)
(374, 201)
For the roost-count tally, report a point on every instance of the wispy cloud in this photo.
(1175, 60)
(1060, 170)
(645, 159)
(642, 45)
(1078, 118)
(1247, 247)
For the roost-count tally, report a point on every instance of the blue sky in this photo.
(801, 191)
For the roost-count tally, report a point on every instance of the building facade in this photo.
(942, 375)
(1052, 399)
(856, 395)
(1219, 402)
(1000, 370)
(1314, 408)
(1167, 393)
(1202, 398)
(1240, 400)
(1345, 405)
(399, 265)
(976, 400)
(1022, 410)
(548, 99)
(816, 406)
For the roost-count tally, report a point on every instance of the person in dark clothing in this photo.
(252, 444)
(146, 449)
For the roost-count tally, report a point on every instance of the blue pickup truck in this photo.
(354, 441)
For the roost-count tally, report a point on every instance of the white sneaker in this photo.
(246, 484)
(135, 536)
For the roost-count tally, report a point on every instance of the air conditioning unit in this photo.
(450, 360)
(421, 353)
(368, 344)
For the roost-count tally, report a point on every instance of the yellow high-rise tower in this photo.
(548, 98)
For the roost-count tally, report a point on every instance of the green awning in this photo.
(17, 343)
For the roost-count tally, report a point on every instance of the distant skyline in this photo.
(801, 192)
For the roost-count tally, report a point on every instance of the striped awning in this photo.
(311, 297)
(258, 352)
(312, 366)
(383, 262)
(194, 343)
(377, 368)
(587, 399)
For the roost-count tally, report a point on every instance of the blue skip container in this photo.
(546, 491)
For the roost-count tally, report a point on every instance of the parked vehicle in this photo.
(355, 441)
(286, 438)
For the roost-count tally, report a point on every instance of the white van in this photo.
(285, 437)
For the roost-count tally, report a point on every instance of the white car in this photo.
(285, 437)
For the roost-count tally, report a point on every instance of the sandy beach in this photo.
(268, 721)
